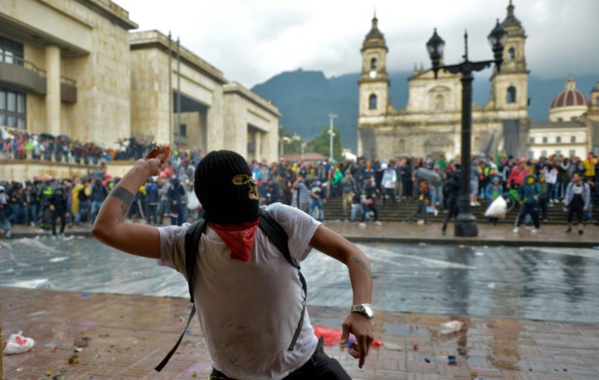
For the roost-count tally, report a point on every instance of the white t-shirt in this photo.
(249, 311)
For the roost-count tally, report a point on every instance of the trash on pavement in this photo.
(451, 360)
(74, 359)
(17, 344)
(393, 346)
(332, 337)
(450, 327)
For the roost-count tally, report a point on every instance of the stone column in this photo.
(53, 89)
(258, 143)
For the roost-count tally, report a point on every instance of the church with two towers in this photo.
(430, 123)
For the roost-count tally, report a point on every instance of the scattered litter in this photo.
(82, 341)
(479, 254)
(78, 349)
(474, 374)
(332, 337)
(415, 346)
(54, 349)
(427, 360)
(17, 344)
(181, 319)
(50, 345)
(62, 376)
(74, 359)
(450, 327)
(491, 285)
(49, 372)
(58, 259)
(84, 294)
(393, 346)
(194, 374)
(451, 360)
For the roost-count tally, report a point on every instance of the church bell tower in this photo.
(374, 82)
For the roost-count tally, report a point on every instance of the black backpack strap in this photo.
(279, 237)
(192, 240)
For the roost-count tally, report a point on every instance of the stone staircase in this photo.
(401, 210)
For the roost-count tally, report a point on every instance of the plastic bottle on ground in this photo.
(450, 327)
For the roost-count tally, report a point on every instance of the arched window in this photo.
(373, 63)
(372, 102)
(511, 95)
(439, 103)
(511, 53)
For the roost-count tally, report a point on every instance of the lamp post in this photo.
(466, 222)
(331, 117)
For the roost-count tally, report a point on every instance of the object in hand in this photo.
(165, 150)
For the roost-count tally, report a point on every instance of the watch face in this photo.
(373, 74)
(368, 311)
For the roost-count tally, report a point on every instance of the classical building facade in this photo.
(431, 121)
(77, 67)
(573, 126)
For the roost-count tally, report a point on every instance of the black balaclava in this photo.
(224, 201)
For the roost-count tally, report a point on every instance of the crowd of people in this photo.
(362, 185)
(22, 145)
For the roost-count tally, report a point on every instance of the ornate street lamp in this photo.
(466, 222)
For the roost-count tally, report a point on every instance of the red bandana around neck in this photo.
(239, 238)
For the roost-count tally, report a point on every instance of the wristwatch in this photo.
(364, 308)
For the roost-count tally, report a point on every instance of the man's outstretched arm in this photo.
(332, 244)
(109, 227)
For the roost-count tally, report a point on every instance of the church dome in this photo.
(570, 97)
(569, 104)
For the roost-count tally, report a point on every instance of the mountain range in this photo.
(306, 98)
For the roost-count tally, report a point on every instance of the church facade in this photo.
(430, 123)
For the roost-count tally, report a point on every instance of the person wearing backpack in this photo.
(529, 194)
(248, 296)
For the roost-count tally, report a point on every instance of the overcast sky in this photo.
(252, 40)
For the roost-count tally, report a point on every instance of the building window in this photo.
(11, 51)
(372, 102)
(597, 101)
(543, 153)
(439, 103)
(558, 139)
(512, 53)
(544, 139)
(532, 140)
(511, 95)
(560, 119)
(572, 153)
(183, 130)
(531, 154)
(402, 146)
(572, 139)
(558, 153)
(373, 63)
(12, 108)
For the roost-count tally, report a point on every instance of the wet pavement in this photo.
(129, 335)
(530, 311)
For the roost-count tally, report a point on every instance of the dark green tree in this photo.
(321, 144)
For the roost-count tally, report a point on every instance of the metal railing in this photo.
(19, 61)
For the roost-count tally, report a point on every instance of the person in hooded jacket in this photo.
(59, 209)
(529, 196)
(152, 201)
(452, 189)
(175, 194)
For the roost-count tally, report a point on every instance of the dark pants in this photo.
(319, 366)
(452, 212)
(421, 209)
(528, 208)
(63, 221)
(543, 206)
(367, 208)
(152, 213)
